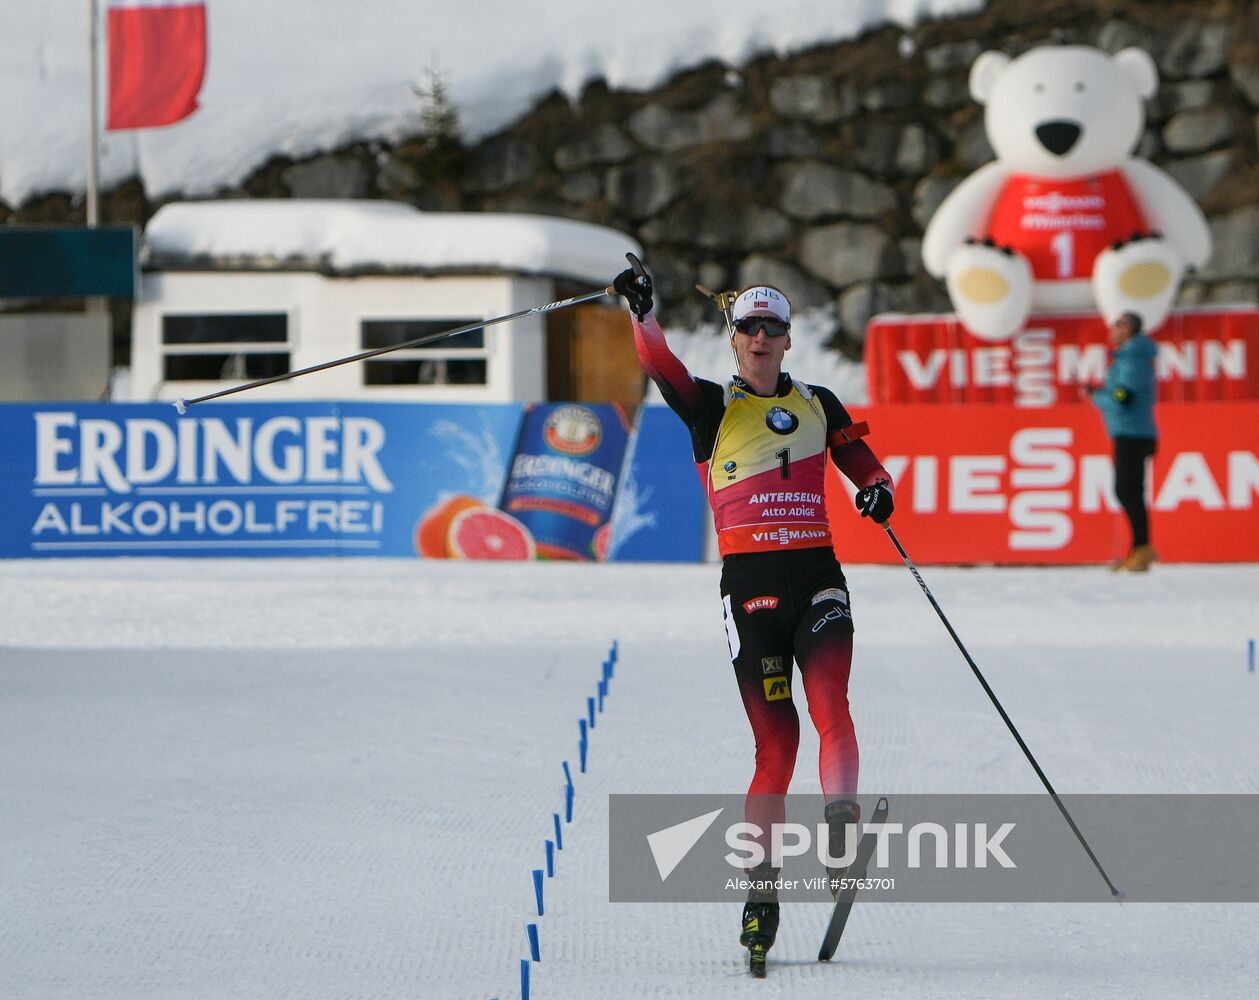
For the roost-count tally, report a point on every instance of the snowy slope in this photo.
(331, 779)
(294, 79)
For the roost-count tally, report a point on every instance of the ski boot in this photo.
(839, 814)
(760, 917)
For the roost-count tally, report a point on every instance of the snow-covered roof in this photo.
(364, 237)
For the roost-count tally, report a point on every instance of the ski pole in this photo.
(182, 404)
(887, 526)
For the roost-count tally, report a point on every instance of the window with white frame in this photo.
(458, 360)
(219, 347)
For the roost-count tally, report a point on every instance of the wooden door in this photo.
(591, 357)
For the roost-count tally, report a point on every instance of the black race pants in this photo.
(786, 609)
(1131, 455)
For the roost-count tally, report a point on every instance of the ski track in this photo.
(331, 778)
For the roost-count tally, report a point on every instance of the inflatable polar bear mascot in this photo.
(1065, 219)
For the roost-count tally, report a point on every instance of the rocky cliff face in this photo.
(818, 172)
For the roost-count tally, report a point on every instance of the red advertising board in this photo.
(1205, 354)
(1008, 485)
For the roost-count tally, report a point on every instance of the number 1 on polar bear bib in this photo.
(1064, 249)
(1061, 225)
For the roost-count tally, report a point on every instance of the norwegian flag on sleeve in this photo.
(157, 52)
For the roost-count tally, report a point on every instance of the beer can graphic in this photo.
(564, 476)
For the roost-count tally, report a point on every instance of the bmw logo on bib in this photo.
(781, 421)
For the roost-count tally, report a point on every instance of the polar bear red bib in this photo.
(1061, 224)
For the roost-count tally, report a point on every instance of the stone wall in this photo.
(817, 172)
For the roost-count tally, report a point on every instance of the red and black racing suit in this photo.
(763, 463)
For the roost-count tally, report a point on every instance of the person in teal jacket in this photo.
(1126, 400)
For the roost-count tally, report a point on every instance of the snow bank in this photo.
(293, 80)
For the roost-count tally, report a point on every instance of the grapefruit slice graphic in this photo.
(486, 533)
(433, 532)
(602, 539)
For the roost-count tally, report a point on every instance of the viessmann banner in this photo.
(433, 481)
(1002, 484)
(1204, 354)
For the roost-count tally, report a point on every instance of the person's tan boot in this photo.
(1139, 559)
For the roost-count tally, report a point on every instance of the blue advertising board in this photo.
(260, 478)
(661, 514)
(319, 478)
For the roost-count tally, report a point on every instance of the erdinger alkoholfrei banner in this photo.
(244, 479)
(343, 478)
(1204, 354)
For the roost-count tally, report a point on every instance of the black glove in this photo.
(636, 289)
(875, 502)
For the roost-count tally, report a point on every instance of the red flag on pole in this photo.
(156, 62)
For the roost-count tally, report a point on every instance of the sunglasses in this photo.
(752, 324)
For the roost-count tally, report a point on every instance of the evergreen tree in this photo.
(439, 119)
(437, 152)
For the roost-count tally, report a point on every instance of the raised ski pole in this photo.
(182, 404)
(887, 526)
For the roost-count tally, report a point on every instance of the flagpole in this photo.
(93, 141)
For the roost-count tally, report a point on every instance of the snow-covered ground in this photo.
(296, 79)
(331, 779)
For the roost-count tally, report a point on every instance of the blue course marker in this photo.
(590, 712)
(524, 979)
(568, 804)
(532, 931)
(581, 727)
(1252, 655)
(568, 775)
(582, 747)
(550, 859)
(537, 888)
(559, 833)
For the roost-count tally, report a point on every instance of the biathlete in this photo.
(761, 442)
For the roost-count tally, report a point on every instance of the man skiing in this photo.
(761, 442)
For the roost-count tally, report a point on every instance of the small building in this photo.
(233, 291)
